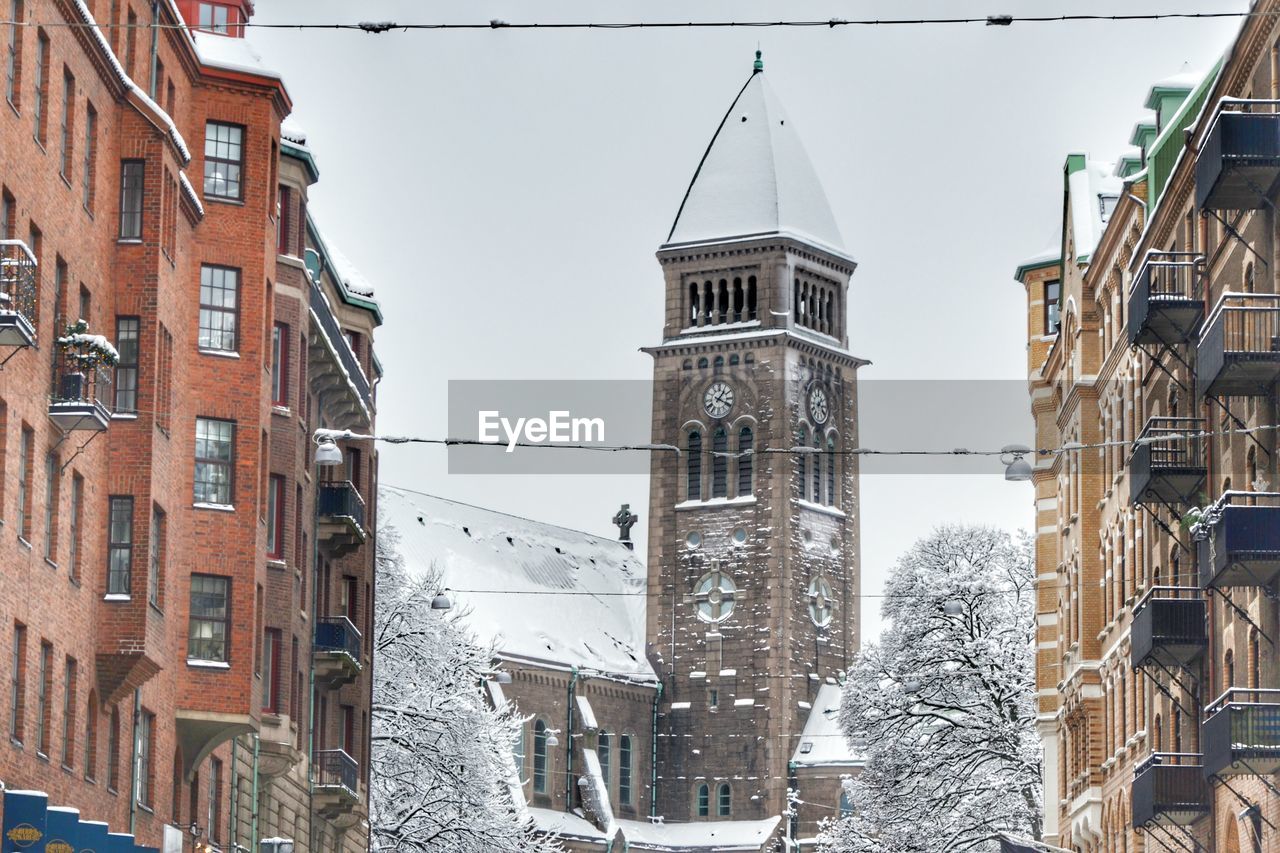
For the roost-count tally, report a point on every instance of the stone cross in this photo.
(625, 520)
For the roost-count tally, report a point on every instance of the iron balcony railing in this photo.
(333, 768)
(19, 286)
(329, 326)
(1238, 540)
(337, 634)
(1241, 732)
(1239, 156)
(341, 500)
(1169, 787)
(1239, 349)
(82, 374)
(1168, 462)
(1168, 626)
(1165, 301)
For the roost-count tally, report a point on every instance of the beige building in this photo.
(1153, 341)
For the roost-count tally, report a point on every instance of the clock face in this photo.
(818, 406)
(718, 399)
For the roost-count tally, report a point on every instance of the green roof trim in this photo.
(1169, 145)
(1143, 133)
(289, 149)
(1157, 93)
(1128, 166)
(1075, 163)
(1020, 274)
(377, 365)
(348, 297)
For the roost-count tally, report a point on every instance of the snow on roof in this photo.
(352, 278)
(822, 743)
(592, 627)
(565, 824)
(293, 132)
(1087, 186)
(231, 54)
(722, 835)
(755, 179)
(1051, 254)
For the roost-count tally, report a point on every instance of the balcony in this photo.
(18, 289)
(1239, 158)
(81, 394)
(1169, 627)
(1239, 350)
(1168, 462)
(1241, 733)
(1165, 302)
(334, 370)
(1169, 788)
(337, 781)
(340, 518)
(336, 651)
(1238, 540)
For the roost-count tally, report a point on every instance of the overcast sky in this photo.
(505, 191)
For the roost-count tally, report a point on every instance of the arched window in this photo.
(717, 366)
(816, 471)
(846, 806)
(519, 750)
(708, 303)
(688, 364)
(693, 466)
(724, 800)
(831, 470)
(703, 363)
(733, 360)
(723, 306)
(739, 298)
(751, 297)
(702, 800)
(795, 302)
(720, 463)
(539, 757)
(603, 749)
(693, 304)
(745, 439)
(802, 460)
(624, 770)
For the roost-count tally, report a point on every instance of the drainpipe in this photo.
(653, 756)
(253, 825)
(235, 799)
(155, 47)
(568, 744)
(133, 765)
(311, 678)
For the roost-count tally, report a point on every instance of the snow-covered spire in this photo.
(755, 179)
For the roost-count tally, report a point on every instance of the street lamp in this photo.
(328, 454)
(441, 602)
(1017, 469)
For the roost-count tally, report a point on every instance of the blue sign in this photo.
(24, 821)
(63, 835)
(138, 848)
(93, 837)
(119, 842)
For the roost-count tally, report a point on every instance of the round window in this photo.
(714, 595)
(694, 539)
(820, 605)
(740, 535)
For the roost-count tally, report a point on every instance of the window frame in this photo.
(724, 800)
(1052, 309)
(75, 526)
(272, 644)
(211, 176)
(39, 106)
(702, 800)
(86, 180)
(205, 332)
(194, 620)
(625, 768)
(69, 685)
(143, 751)
(129, 345)
(13, 52)
(52, 497)
(18, 685)
(275, 517)
(157, 541)
(541, 757)
(133, 190)
(44, 713)
(280, 365)
(227, 489)
(120, 577)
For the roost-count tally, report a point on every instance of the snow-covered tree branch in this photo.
(442, 767)
(944, 703)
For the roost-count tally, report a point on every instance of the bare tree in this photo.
(443, 777)
(944, 703)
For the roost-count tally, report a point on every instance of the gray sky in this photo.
(505, 193)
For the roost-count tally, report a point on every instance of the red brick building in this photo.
(183, 592)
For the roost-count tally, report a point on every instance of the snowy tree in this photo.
(944, 703)
(442, 773)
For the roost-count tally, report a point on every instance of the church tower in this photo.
(753, 529)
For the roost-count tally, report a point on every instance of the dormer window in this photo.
(215, 18)
(1107, 205)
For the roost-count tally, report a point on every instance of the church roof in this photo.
(537, 591)
(755, 179)
(822, 743)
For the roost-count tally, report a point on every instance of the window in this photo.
(519, 749)
(120, 546)
(8, 222)
(703, 800)
(86, 179)
(215, 800)
(540, 757)
(347, 720)
(214, 18)
(816, 469)
(52, 475)
(207, 633)
(219, 289)
(348, 603)
(18, 684)
(724, 800)
(73, 537)
(68, 120)
(13, 54)
(41, 92)
(223, 158)
(719, 463)
(155, 555)
(602, 749)
(132, 173)
(44, 712)
(820, 606)
(271, 643)
(283, 200)
(802, 460)
(714, 596)
(25, 450)
(275, 517)
(846, 805)
(280, 365)
(831, 470)
(69, 714)
(745, 439)
(113, 750)
(1052, 295)
(693, 476)
(214, 456)
(127, 369)
(143, 744)
(624, 770)
(91, 712)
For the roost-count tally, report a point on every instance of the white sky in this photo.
(505, 191)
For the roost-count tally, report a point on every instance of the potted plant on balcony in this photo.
(82, 353)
